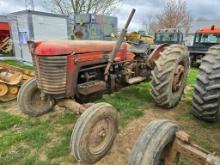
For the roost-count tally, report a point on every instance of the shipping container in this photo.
(34, 25)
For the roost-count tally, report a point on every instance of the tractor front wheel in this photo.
(94, 133)
(30, 102)
(169, 76)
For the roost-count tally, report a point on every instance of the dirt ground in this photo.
(122, 147)
(127, 136)
(204, 134)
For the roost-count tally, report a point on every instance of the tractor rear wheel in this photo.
(30, 102)
(94, 133)
(169, 76)
(153, 143)
(206, 95)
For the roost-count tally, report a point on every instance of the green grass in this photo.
(17, 64)
(192, 76)
(61, 148)
(20, 136)
(34, 134)
(130, 102)
(7, 121)
(24, 140)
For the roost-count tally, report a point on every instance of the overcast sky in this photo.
(208, 9)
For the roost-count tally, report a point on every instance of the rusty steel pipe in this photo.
(118, 44)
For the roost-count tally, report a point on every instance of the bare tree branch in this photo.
(82, 6)
(174, 15)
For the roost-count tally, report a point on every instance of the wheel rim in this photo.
(100, 135)
(178, 78)
(163, 156)
(38, 102)
(3, 89)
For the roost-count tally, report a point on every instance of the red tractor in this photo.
(204, 38)
(85, 70)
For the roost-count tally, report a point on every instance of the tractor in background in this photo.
(204, 38)
(85, 70)
(161, 38)
(168, 36)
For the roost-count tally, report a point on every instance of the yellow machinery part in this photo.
(135, 36)
(13, 90)
(11, 93)
(3, 89)
(11, 78)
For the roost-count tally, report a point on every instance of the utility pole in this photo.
(29, 4)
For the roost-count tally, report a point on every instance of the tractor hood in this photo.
(47, 48)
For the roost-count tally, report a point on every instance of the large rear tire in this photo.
(94, 133)
(30, 102)
(151, 146)
(206, 95)
(169, 76)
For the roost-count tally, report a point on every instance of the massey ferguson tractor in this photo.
(85, 70)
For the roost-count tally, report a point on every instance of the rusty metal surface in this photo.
(182, 145)
(156, 54)
(51, 74)
(178, 78)
(118, 44)
(91, 87)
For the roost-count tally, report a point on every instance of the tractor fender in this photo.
(155, 54)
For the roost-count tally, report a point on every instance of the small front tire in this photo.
(94, 133)
(30, 102)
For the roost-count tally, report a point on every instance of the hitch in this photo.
(183, 146)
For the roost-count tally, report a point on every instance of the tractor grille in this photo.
(51, 74)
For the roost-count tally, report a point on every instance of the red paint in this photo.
(4, 30)
(4, 26)
(70, 73)
(79, 54)
(130, 56)
(208, 30)
(68, 47)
